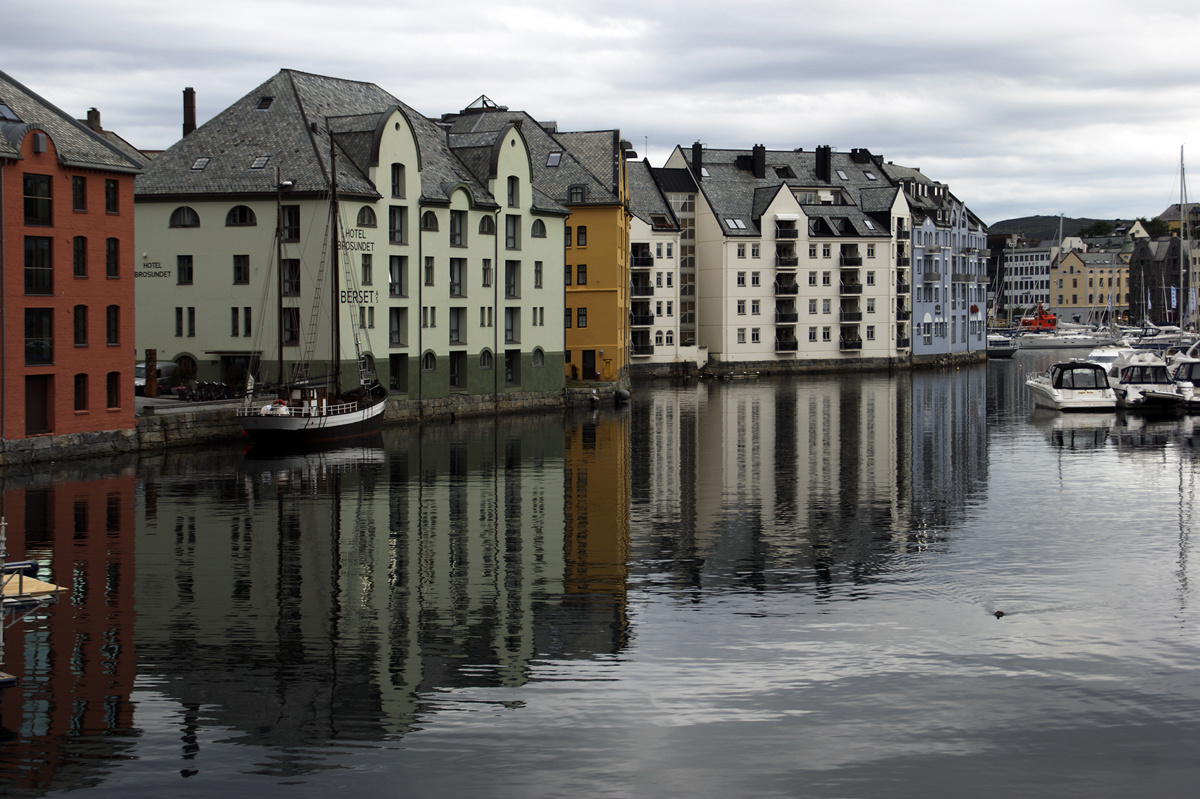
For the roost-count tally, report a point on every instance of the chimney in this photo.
(93, 119)
(189, 110)
(824, 163)
(697, 159)
(759, 158)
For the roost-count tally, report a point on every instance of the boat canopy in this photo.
(1078, 374)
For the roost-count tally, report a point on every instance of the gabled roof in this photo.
(76, 145)
(736, 196)
(287, 121)
(646, 200)
(479, 127)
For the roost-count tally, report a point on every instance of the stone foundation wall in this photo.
(741, 368)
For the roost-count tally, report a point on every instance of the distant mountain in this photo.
(1043, 228)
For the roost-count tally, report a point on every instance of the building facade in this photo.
(66, 260)
(447, 260)
(796, 256)
(1090, 287)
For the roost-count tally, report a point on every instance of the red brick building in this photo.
(66, 276)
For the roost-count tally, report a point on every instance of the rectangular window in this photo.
(581, 317)
(870, 250)
(826, 278)
(112, 195)
(658, 250)
(291, 326)
(755, 250)
(246, 330)
(39, 336)
(112, 257)
(755, 279)
(183, 270)
(458, 224)
(581, 275)
(741, 335)
(81, 392)
(458, 277)
(870, 332)
(113, 391)
(754, 335)
(812, 334)
(658, 308)
(812, 278)
(397, 278)
(81, 320)
(567, 236)
(191, 322)
(537, 274)
(870, 305)
(112, 324)
(398, 180)
(581, 236)
(367, 272)
(290, 222)
(514, 191)
(812, 251)
(512, 232)
(754, 307)
(80, 256)
(671, 307)
(825, 305)
(487, 272)
(669, 248)
(398, 224)
(825, 251)
(241, 270)
(178, 322)
(741, 279)
(397, 327)
(812, 305)
(512, 280)
(870, 278)
(235, 321)
(79, 193)
(567, 270)
(741, 251)
(429, 270)
(826, 335)
(37, 201)
(567, 317)
(39, 271)
(741, 307)
(290, 275)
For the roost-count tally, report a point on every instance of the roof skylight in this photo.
(200, 163)
(260, 162)
(841, 174)
(7, 114)
(264, 103)
(870, 175)
(554, 158)
(734, 223)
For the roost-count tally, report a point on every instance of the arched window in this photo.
(658, 338)
(429, 362)
(539, 357)
(366, 216)
(429, 221)
(184, 216)
(240, 216)
(539, 229)
(576, 194)
(487, 226)
(485, 359)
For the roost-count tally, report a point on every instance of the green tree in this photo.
(1155, 227)
(1096, 229)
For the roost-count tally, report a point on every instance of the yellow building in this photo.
(1082, 283)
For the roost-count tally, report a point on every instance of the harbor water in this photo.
(867, 585)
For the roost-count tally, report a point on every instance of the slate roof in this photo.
(76, 145)
(469, 130)
(292, 131)
(645, 198)
(733, 192)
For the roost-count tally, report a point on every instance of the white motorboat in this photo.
(1074, 385)
(1000, 345)
(1143, 384)
(1184, 368)
(1073, 339)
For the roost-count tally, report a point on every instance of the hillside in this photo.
(1042, 228)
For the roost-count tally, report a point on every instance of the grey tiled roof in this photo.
(466, 130)
(76, 145)
(292, 132)
(598, 150)
(645, 198)
(734, 193)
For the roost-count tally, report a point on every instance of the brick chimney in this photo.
(93, 119)
(189, 110)
(697, 159)
(824, 164)
(759, 157)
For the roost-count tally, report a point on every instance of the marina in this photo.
(868, 585)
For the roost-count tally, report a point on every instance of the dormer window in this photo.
(576, 194)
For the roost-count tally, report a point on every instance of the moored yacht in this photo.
(1074, 385)
(1142, 383)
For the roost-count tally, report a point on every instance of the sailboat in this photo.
(308, 411)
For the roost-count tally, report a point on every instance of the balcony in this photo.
(786, 290)
(641, 350)
(641, 291)
(851, 288)
(787, 260)
(851, 260)
(851, 316)
(903, 315)
(850, 344)
(903, 288)
(641, 261)
(903, 343)
(641, 320)
(789, 345)
(786, 317)
(931, 276)
(786, 233)
(903, 260)
(933, 249)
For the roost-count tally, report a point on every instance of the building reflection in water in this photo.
(782, 483)
(71, 714)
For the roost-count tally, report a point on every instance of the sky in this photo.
(1021, 107)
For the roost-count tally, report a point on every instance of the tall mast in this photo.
(335, 312)
(1182, 236)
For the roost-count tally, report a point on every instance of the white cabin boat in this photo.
(1142, 383)
(1074, 385)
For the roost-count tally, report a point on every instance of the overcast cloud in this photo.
(1022, 108)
